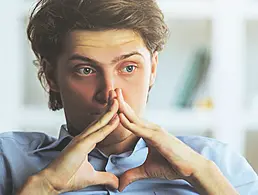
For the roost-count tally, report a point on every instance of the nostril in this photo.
(103, 97)
(102, 101)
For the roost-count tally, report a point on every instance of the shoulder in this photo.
(231, 163)
(214, 150)
(204, 145)
(17, 161)
(25, 140)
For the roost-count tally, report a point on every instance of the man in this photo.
(98, 60)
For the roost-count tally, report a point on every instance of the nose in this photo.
(105, 85)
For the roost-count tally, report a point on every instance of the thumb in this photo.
(131, 176)
(108, 179)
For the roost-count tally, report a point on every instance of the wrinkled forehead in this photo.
(106, 44)
(104, 39)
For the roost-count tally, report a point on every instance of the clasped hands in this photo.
(168, 157)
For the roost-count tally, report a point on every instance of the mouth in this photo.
(98, 112)
(95, 113)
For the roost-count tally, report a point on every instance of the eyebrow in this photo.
(114, 61)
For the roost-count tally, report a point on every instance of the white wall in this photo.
(228, 27)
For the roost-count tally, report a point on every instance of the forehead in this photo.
(106, 44)
(103, 39)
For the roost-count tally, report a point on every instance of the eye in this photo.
(85, 70)
(129, 68)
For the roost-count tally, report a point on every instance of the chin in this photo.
(118, 135)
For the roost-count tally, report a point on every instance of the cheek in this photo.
(76, 92)
(135, 93)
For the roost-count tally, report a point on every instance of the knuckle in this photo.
(144, 125)
(156, 127)
(130, 125)
(151, 136)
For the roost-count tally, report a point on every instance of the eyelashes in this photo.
(130, 68)
(87, 71)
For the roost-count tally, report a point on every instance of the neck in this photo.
(119, 141)
(120, 147)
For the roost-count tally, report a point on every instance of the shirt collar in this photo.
(63, 132)
(139, 145)
(58, 145)
(98, 153)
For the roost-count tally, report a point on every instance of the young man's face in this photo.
(92, 64)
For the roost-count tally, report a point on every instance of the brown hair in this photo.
(51, 20)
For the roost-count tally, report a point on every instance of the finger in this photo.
(109, 97)
(140, 131)
(131, 115)
(109, 104)
(101, 134)
(126, 109)
(131, 176)
(103, 121)
(170, 147)
(108, 179)
(113, 94)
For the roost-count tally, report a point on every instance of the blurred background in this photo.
(207, 80)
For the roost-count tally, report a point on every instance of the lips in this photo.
(95, 113)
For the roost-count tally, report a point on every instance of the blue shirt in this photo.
(23, 154)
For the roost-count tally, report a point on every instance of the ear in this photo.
(154, 64)
(50, 73)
